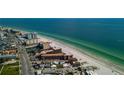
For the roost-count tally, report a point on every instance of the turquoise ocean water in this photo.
(103, 38)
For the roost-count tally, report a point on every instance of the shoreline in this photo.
(104, 68)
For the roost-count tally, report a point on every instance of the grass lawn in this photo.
(1, 66)
(14, 64)
(11, 69)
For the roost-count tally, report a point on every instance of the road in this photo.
(24, 59)
(25, 62)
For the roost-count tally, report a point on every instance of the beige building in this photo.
(46, 45)
(31, 41)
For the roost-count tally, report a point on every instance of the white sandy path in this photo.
(103, 70)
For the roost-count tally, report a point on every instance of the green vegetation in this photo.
(1, 66)
(11, 69)
(14, 64)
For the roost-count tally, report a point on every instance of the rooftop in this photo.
(7, 56)
(50, 55)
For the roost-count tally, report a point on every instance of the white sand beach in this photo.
(103, 69)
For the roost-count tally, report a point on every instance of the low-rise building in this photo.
(57, 56)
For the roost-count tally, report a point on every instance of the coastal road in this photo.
(24, 60)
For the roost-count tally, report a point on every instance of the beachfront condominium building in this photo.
(31, 38)
(57, 56)
(31, 41)
(32, 35)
